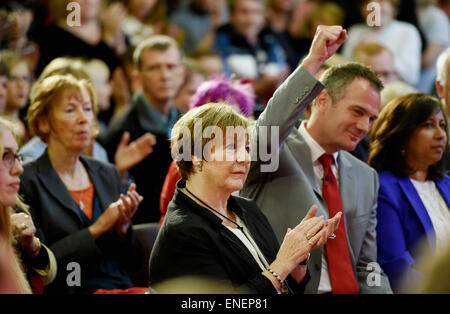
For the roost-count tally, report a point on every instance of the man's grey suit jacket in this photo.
(286, 194)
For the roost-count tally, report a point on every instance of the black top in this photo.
(193, 242)
(55, 41)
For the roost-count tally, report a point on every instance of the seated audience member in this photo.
(379, 58)
(194, 75)
(99, 75)
(443, 87)
(435, 274)
(443, 79)
(37, 261)
(407, 145)
(18, 87)
(75, 201)
(199, 20)
(158, 61)
(210, 60)
(146, 18)
(126, 155)
(209, 233)
(35, 147)
(393, 90)
(381, 61)
(435, 26)
(97, 33)
(16, 37)
(239, 96)
(323, 13)
(12, 278)
(251, 50)
(402, 39)
(3, 85)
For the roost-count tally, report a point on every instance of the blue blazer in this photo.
(404, 229)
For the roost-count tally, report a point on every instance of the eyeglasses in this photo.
(9, 159)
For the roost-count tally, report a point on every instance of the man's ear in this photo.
(323, 100)
(439, 89)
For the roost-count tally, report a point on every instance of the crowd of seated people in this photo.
(91, 91)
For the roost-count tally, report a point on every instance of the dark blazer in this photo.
(150, 173)
(193, 242)
(404, 230)
(64, 227)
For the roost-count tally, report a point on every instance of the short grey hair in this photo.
(442, 66)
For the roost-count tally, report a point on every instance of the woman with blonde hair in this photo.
(16, 227)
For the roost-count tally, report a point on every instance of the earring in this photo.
(199, 165)
(403, 152)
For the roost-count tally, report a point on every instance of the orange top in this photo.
(87, 196)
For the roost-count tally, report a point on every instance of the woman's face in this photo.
(427, 143)
(70, 121)
(18, 86)
(227, 165)
(9, 172)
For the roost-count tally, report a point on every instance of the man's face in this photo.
(382, 64)
(349, 119)
(160, 73)
(248, 17)
(443, 90)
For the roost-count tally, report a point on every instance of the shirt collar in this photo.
(314, 147)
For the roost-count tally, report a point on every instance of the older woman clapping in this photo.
(408, 144)
(75, 201)
(208, 232)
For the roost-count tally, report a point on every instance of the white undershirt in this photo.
(316, 152)
(249, 244)
(437, 209)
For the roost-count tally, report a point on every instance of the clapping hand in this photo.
(129, 154)
(127, 206)
(23, 230)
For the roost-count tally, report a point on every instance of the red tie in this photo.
(339, 263)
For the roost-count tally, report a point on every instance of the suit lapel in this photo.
(55, 186)
(302, 154)
(98, 179)
(444, 188)
(417, 205)
(347, 186)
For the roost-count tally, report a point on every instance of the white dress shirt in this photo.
(316, 152)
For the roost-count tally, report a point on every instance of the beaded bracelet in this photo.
(276, 276)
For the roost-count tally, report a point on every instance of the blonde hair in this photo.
(220, 115)
(47, 91)
(19, 282)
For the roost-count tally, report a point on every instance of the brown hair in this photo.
(390, 132)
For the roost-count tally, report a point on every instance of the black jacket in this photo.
(63, 227)
(193, 242)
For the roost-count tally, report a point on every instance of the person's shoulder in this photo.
(357, 163)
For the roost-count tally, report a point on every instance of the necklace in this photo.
(209, 207)
(81, 201)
